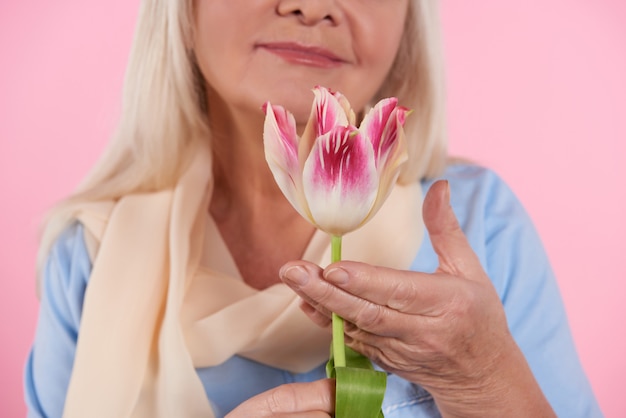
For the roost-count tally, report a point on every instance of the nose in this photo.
(310, 12)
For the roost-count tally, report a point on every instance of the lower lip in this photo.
(300, 57)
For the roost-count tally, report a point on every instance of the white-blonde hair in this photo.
(164, 108)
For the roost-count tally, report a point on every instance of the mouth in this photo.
(303, 55)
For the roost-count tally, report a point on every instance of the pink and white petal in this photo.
(329, 111)
(340, 180)
(391, 162)
(374, 124)
(393, 147)
(387, 181)
(280, 142)
(308, 136)
(280, 139)
(347, 108)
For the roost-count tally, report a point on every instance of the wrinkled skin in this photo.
(296, 400)
(445, 331)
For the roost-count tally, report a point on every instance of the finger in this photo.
(307, 281)
(356, 336)
(456, 256)
(384, 315)
(302, 397)
(404, 291)
(372, 345)
(314, 399)
(319, 318)
(299, 275)
(374, 353)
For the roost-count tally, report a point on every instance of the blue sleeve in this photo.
(508, 245)
(50, 362)
(518, 264)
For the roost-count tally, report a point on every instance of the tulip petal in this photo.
(280, 141)
(393, 154)
(340, 180)
(330, 111)
(393, 149)
(327, 111)
(381, 125)
(308, 136)
(347, 108)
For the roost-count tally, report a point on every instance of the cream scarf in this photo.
(165, 297)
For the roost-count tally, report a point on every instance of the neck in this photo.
(243, 185)
(246, 204)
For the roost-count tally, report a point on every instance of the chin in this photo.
(298, 101)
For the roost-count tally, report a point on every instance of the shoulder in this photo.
(500, 232)
(62, 290)
(70, 246)
(464, 171)
(68, 265)
(475, 184)
(485, 206)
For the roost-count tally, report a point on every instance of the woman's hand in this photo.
(298, 400)
(446, 331)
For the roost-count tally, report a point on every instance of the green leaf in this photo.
(359, 388)
(359, 392)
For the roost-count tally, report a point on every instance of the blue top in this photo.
(499, 231)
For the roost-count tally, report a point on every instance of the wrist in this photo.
(503, 387)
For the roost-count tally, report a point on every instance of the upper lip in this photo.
(306, 49)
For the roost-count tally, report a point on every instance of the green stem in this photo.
(335, 249)
(339, 349)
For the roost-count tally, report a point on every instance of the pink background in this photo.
(536, 91)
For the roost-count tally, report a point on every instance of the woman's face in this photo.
(251, 51)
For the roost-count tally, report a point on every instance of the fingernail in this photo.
(337, 275)
(296, 275)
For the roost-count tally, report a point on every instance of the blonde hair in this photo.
(417, 80)
(164, 114)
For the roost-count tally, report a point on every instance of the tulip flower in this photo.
(336, 175)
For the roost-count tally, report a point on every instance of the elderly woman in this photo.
(168, 286)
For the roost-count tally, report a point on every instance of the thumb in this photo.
(456, 257)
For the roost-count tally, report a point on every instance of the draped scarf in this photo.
(165, 297)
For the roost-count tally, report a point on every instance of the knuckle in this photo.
(277, 399)
(320, 319)
(366, 276)
(371, 316)
(325, 294)
(402, 296)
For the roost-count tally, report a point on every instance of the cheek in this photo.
(383, 42)
(213, 57)
(216, 42)
(377, 48)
